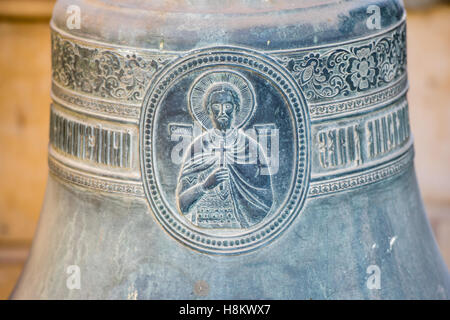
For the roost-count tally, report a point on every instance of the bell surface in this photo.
(231, 150)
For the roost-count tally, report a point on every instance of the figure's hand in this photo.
(215, 178)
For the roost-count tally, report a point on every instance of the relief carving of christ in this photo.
(221, 183)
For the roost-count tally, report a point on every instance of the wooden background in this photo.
(24, 118)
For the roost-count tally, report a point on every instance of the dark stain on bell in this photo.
(201, 288)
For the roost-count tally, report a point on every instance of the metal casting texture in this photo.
(232, 150)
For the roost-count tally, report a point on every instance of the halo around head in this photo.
(202, 87)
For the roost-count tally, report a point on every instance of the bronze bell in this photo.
(231, 150)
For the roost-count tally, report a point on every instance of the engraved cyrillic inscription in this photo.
(358, 141)
(340, 146)
(90, 142)
(387, 132)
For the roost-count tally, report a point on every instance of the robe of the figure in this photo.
(239, 202)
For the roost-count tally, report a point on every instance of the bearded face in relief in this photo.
(222, 103)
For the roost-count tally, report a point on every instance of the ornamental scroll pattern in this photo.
(119, 74)
(349, 69)
(323, 74)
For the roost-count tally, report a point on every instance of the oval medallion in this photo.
(225, 149)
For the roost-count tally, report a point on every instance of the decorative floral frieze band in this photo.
(335, 80)
(326, 74)
(113, 73)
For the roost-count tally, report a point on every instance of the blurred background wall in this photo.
(25, 69)
(25, 72)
